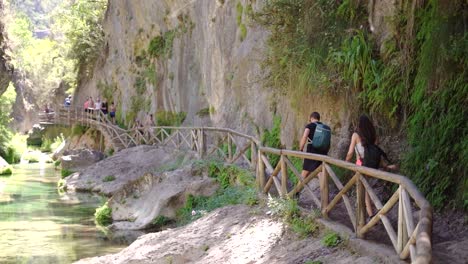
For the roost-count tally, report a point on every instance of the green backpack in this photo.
(322, 138)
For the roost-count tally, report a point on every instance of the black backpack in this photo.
(373, 155)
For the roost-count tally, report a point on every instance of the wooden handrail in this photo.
(421, 251)
(411, 241)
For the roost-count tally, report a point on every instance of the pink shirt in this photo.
(86, 105)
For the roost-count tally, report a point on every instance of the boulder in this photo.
(76, 160)
(113, 173)
(35, 135)
(141, 201)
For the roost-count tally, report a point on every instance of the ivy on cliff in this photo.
(417, 81)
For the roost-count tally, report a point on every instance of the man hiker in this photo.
(317, 138)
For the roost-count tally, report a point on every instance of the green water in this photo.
(39, 225)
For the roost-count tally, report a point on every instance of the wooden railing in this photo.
(412, 238)
(409, 240)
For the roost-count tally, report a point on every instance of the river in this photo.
(39, 225)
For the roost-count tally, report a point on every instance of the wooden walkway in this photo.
(410, 235)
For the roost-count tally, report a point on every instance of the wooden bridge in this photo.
(412, 216)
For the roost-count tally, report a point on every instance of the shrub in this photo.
(103, 215)
(78, 130)
(65, 173)
(160, 221)
(61, 185)
(161, 46)
(303, 226)
(237, 187)
(109, 178)
(331, 239)
(287, 209)
(166, 118)
(7, 170)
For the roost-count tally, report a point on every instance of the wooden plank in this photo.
(387, 207)
(402, 237)
(410, 244)
(272, 176)
(361, 206)
(284, 177)
(347, 203)
(342, 191)
(261, 172)
(239, 154)
(253, 153)
(229, 142)
(324, 190)
(303, 182)
(372, 195)
(408, 212)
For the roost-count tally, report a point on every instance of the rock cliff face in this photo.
(5, 71)
(209, 59)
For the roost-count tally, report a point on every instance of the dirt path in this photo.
(233, 234)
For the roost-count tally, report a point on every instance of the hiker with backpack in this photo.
(364, 144)
(317, 138)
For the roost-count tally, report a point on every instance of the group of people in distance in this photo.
(143, 126)
(363, 142)
(90, 106)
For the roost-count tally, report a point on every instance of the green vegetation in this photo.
(161, 46)
(103, 215)
(331, 239)
(79, 130)
(243, 32)
(240, 10)
(109, 178)
(272, 138)
(65, 173)
(237, 187)
(160, 221)
(49, 145)
(313, 262)
(61, 185)
(7, 170)
(288, 210)
(414, 81)
(33, 156)
(7, 150)
(166, 118)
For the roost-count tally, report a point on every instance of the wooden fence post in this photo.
(260, 172)
(402, 237)
(284, 177)
(361, 206)
(253, 153)
(324, 190)
(229, 142)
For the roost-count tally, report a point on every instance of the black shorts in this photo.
(311, 165)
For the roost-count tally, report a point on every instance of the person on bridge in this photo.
(67, 101)
(104, 106)
(308, 139)
(365, 136)
(112, 112)
(86, 104)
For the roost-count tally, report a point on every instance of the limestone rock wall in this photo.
(209, 67)
(5, 71)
